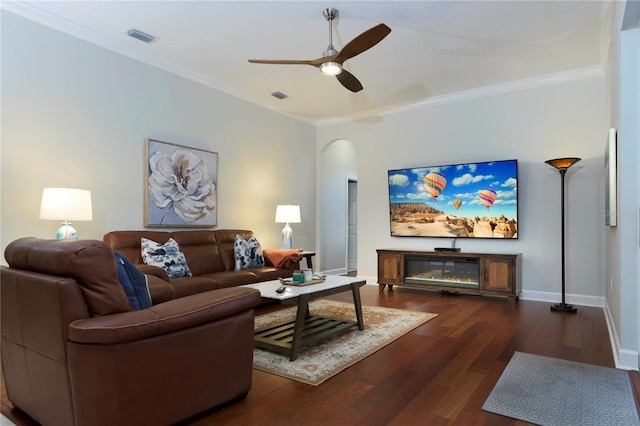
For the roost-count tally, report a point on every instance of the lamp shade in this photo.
(287, 214)
(562, 163)
(66, 204)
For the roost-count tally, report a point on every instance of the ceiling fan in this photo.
(330, 63)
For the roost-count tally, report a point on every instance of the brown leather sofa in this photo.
(209, 254)
(74, 353)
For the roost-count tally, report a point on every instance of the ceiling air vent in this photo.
(147, 38)
(279, 95)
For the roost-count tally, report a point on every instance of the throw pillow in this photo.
(168, 256)
(248, 253)
(134, 283)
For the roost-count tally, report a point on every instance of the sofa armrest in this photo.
(160, 290)
(292, 265)
(154, 270)
(164, 318)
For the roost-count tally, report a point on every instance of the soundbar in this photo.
(450, 249)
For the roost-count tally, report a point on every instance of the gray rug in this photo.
(549, 391)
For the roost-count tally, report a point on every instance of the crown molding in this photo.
(545, 80)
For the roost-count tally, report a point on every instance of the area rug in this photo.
(550, 391)
(317, 363)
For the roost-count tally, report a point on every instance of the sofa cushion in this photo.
(226, 238)
(248, 253)
(168, 256)
(134, 283)
(226, 279)
(161, 291)
(201, 251)
(128, 242)
(192, 285)
(268, 273)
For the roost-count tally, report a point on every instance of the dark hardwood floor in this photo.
(439, 374)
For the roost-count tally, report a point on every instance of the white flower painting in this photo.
(180, 185)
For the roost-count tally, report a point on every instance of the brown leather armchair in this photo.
(74, 353)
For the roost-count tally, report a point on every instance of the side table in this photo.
(308, 255)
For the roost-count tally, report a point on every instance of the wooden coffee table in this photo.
(287, 338)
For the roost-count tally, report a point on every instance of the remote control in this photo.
(281, 289)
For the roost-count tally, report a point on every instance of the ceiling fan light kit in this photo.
(331, 61)
(330, 68)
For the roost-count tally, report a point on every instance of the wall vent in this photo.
(279, 95)
(147, 38)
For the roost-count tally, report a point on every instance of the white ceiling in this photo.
(436, 49)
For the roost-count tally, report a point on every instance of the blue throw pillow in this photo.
(134, 283)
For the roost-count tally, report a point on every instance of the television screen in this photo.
(474, 200)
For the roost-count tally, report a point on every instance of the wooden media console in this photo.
(483, 274)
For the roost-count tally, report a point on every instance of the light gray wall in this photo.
(629, 188)
(77, 115)
(532, 125)
(612, 236)
(622, 277)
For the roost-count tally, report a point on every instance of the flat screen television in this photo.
(471, 200)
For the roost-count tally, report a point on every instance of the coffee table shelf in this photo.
(290, 336)
(279, 337)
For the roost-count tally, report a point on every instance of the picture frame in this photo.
(611, 178)
(180, 185)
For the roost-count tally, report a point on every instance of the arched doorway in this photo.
(338, 214)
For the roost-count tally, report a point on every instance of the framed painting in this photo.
(180, 186)
(611, 179)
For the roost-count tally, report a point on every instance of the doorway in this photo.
(337, 213)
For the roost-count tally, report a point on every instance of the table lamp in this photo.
(66, 204)
(287, 214)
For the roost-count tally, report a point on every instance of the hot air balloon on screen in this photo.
(457, 203)
(487, 197)
(434, 183)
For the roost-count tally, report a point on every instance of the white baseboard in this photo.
(627, 360)
(340, 271)
(613, 335)
(573, 299)
(623, 358)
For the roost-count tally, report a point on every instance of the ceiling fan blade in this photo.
(285, 62)
(364, 41)
(349, 81)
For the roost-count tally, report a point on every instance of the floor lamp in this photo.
(562, 164)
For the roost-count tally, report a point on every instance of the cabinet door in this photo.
(498, 275)
(389, 268)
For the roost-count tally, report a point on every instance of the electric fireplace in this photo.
(483, 274)
(448, 272)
